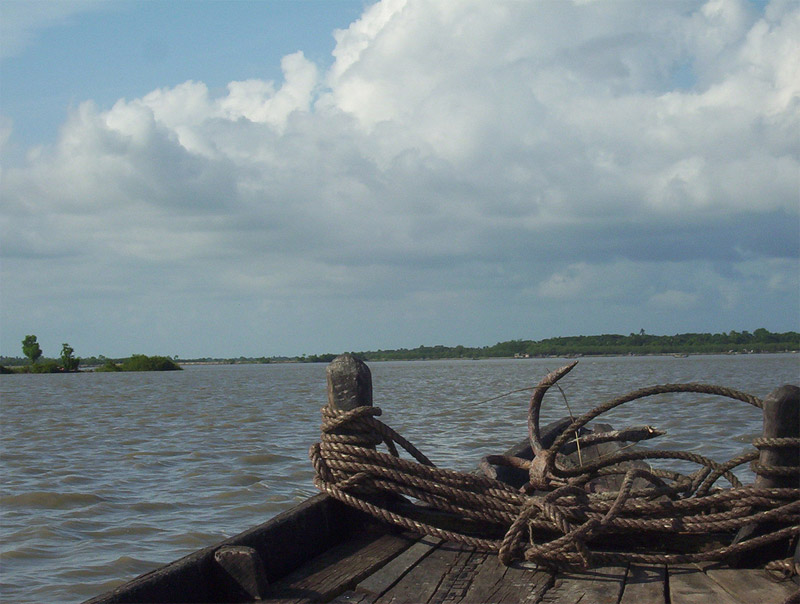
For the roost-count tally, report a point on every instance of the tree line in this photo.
(760, 340)
(69, 363)
(66, 363)
(641, 343)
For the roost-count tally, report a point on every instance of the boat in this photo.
(327, 550)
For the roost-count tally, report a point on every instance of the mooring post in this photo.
(350, 387)
(349, 383)
(781, 420)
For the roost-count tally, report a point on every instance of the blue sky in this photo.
(105, 51)
(267, 178)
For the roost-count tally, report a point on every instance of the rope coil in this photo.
(556, 520)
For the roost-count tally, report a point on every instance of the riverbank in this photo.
(189, 363)
(137, 362)
(759, 341)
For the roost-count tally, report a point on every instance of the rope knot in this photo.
(356, 427)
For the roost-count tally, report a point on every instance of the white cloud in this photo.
(498, 150)
(354, 40)
(257, 101)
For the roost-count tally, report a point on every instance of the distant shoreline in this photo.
(487, 358)
(605, 345)
(298, 361)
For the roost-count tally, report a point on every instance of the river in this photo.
(108, 475)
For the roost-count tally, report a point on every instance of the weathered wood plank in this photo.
(457, 578)
(354, 597)
(422, 581)
(603, 585)
(453, 575)
(388, 575)
(645, 584)
(751, 585)
(690, 585)
(494, 582)
(338, 570)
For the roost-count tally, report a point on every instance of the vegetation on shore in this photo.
(734, 342)
(140, 362)
(69, 363)
(760, 340)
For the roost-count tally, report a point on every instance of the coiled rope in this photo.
(555, 520)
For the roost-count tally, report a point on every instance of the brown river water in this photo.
(106, 476)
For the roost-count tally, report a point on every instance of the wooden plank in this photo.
(338, 570)
(457, 578)
(690, 585)
(388, 575)
(603, 585)
(494, 582)
(751, 585)
(423, 580)
(454, 574)
(645, 584)
(459, 590)
(354, 597)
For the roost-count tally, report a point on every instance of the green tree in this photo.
(141, 362)
(69, 362)
(31, 349)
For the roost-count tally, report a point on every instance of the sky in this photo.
(224, 179)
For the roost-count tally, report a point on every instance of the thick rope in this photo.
(556, 520)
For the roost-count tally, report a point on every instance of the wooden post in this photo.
(781, 420)
(349, 383)
(244, 567)
(350, 387)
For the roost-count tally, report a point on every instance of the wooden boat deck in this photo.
(324, 551)
(380, 568)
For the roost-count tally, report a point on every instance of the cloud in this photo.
(455, 154)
